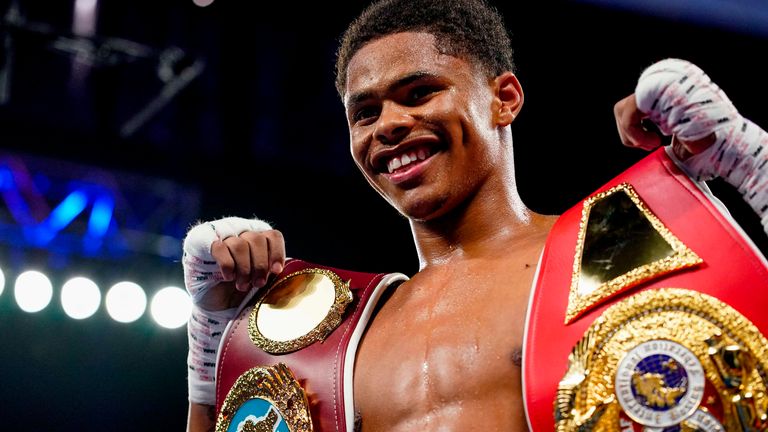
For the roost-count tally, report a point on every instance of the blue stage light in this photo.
(101, 216)
(60, 217)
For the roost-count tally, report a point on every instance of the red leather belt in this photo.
(285, 363)
(658, 301)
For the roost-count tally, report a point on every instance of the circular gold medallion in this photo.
(298, 310)
(659, 382)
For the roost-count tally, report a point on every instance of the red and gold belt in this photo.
(649, 312)
(286, 362)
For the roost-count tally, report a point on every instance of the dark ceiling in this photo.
(238, 104)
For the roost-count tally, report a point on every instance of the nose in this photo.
(394, 123)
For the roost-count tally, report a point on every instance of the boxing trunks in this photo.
(286, 362)
(649, 311)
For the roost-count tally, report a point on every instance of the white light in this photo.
(84, 17)
(33, 291)
(85, 6)
(171, 307)
(2, 281)
(80, 297)
(202, 3)
(126, 302)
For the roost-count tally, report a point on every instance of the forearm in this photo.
(204, 331)
(742, 160)
(740, 157)
(216, 302)
(202, 418)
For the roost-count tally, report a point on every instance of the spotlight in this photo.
(33, 291)
(126, 302)
(2, 281)
(171, 307)
(80, 297)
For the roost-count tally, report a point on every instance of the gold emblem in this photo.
(659, 383)
(267, 423)
(651, 357)
(265, 399)
(298, 310)
(621, 243)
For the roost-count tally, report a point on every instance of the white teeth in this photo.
(393, 165)
(406, 159)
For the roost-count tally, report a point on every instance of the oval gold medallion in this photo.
(298, 310)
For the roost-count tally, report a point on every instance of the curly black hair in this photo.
(470, 28)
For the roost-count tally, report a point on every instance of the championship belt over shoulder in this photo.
(649, 312)
(286, 362)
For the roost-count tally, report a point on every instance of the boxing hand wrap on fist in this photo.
(206, 327)
(201, 271)
(684, 102)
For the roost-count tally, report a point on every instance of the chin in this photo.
(424, 210)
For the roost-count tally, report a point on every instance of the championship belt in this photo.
(286, 362)
(649, 312)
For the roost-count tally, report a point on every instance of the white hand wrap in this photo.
(205, 328)
(204, 331)
(683, 101)
(201, 272)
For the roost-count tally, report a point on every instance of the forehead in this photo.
(387, 59)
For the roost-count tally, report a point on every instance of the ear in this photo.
(508, 99)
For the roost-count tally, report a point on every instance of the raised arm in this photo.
(223, 260)
(708, 134)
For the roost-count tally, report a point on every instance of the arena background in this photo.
(123, 123)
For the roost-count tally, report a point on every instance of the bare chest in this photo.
(441, 351)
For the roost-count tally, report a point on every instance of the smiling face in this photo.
(424, 127)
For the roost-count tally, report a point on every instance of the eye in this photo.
(418, 93)
(365, 114)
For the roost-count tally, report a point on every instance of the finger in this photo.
(276, 251)
(629, 122)
(644, 138)
(224, 258)
(240, 251)
(259, 258)
(635, 136)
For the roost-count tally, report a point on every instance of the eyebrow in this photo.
(400, 83)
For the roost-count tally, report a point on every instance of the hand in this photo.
(225, 258)
(631, 124)
(248, 259)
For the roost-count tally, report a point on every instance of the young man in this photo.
(430, 96)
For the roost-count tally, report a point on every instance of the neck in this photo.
(485, 226)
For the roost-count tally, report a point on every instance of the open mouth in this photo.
(410, 157)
